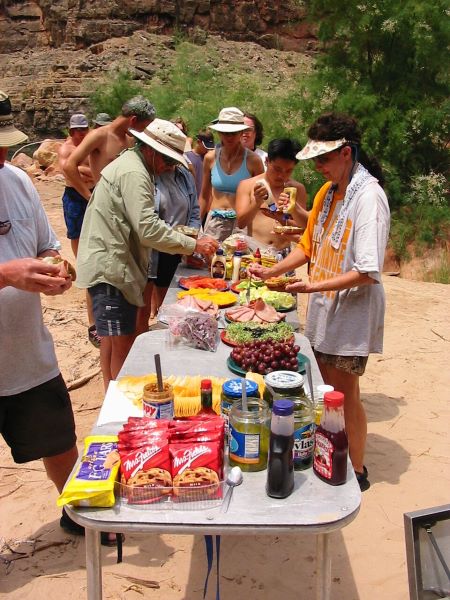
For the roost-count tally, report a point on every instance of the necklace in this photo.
(229, 160)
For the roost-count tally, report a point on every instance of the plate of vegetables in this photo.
(239, 333)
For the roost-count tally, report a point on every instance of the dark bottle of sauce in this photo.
(206, 398)
(331, 445)
(280, 466)
(257, 256)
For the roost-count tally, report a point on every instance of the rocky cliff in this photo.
(81, 23)
(53, 54)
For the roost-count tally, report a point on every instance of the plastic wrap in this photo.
(195, 329)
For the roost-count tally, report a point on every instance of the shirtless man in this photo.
(104, 144)
(74, 204)
(251, 196)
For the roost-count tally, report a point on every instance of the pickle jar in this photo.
(283, 384)
(249, 435)
(231, 392)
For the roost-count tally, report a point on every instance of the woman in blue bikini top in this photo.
(225, 167)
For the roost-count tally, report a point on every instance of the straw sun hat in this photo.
(9, 135)
(165, 138)
(230, 120)
(315, 148)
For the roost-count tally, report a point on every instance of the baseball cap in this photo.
(78, 121)
(207, 140)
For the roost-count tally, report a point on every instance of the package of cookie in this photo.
(92, 483)
(145, 472)
(197, 470)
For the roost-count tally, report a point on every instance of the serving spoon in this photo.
(234, 479)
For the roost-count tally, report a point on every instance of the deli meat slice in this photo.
(267, 313)
(246, 316)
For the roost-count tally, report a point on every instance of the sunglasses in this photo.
(5, 227)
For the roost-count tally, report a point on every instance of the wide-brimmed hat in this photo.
(230, 120)
(9, 135)
(78, 121)
(165, 138)
(102, 119)
(315, 148)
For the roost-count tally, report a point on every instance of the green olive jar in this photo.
(249, 435)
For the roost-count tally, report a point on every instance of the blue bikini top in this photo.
(223, 182)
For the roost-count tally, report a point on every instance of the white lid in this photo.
(284, 379)
(324, 388)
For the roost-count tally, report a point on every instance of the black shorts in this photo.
(38, 423)
(167, 265)
(113, 314)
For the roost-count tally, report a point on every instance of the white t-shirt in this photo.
(27, 354)
(349, 322)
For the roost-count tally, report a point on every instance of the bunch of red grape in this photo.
(266, 356)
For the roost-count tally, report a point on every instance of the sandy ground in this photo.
(405, 393)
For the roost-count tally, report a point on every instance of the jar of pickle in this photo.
(290, 385)
(283, 384)
(231, 392)
(249, 435)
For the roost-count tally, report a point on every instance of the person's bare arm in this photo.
(294, 259)
(249, 198)
(344, 281)
(33, 275)
(91, 142)
(254, 164)
(205, 197)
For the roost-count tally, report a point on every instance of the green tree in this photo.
(386, 63)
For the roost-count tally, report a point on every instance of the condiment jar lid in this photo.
(324, 388)
(233, 387)
(238, 253)
(283, 408)
(219, 251)
(284, 380)
(206, 384)
(333, 399)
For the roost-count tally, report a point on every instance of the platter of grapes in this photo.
(265, 356)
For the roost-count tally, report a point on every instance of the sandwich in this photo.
(65, 268)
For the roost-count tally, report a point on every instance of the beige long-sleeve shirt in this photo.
(119, 227)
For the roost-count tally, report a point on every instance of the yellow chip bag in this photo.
(92, 483)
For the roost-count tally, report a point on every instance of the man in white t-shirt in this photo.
(36, 417)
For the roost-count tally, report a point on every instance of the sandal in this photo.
(93, 336)
(69, 526)
(362, 479)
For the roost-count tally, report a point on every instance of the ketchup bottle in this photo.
(257, 256)
(331, 445)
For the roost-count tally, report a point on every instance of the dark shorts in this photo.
(113, 314)
(74, 206)
(355, 365)
(38, 423)
(167, 265)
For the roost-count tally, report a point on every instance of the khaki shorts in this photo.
(355, 365)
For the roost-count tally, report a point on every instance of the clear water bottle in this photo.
(280, 467)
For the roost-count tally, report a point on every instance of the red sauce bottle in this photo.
(331, 445)
(206, 398)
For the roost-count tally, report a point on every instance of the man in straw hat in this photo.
(104, 144)
(36, 418)
(344, 244)
(119, 227)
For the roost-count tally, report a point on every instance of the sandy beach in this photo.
(405, 392)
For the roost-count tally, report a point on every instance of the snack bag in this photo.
(92, 484)
(199, 330)
(197, 468)
(146, 472)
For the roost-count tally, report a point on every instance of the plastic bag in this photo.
(195, 329)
